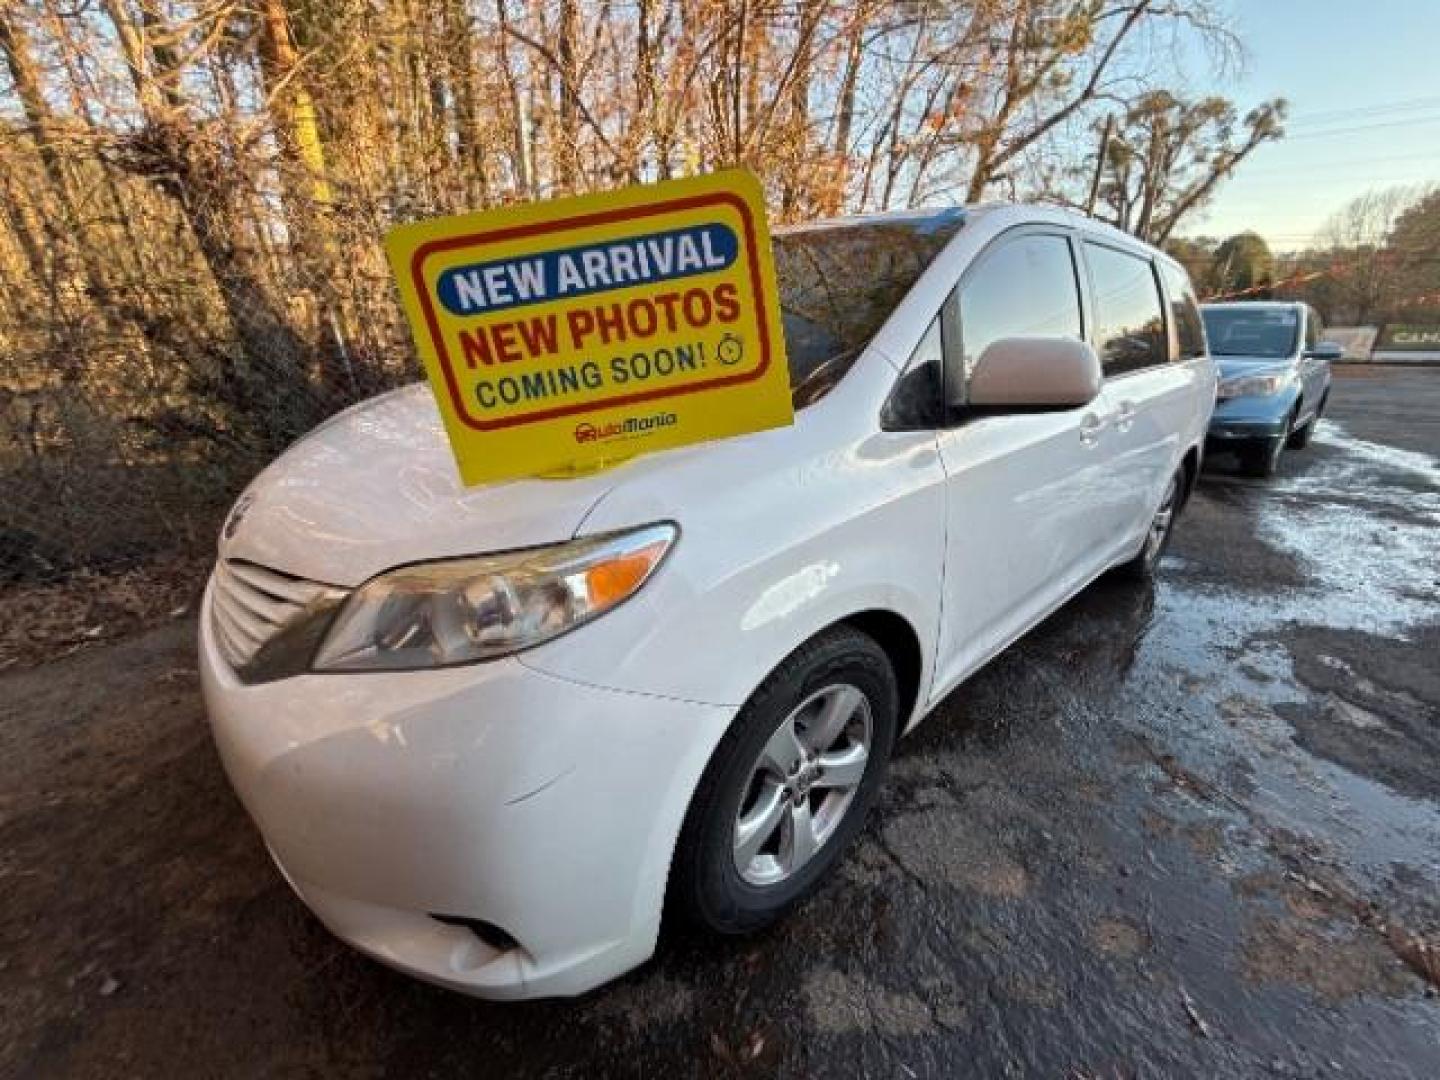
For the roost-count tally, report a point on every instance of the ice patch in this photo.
(1329, 433)
(1372, 549)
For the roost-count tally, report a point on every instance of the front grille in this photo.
(253, 606)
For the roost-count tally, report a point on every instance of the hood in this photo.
(1232, 366)
(376, 486)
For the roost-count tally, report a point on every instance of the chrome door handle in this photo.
(1091, 426)
(1125, 416)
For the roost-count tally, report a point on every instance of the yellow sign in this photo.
(569, 335)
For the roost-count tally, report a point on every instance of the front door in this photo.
(1021, 488)
(1314, 372)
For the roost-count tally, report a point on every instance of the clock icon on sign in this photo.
(730, 350)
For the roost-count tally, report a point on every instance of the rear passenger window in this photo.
(1129, 322)
(1024, 288)
(1185, 311)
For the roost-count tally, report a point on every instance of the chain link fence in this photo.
(143, 384)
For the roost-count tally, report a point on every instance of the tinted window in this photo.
(1025, 288)
(839, 283)
(1266, 333)
(1184, 311)
(1129, 322)
(1312, 328)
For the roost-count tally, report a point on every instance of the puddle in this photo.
(1362, 523)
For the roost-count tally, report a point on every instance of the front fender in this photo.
(1255, 417)
(714, 642)
(763, 565)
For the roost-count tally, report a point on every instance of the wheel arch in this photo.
(896, 636)
(898, 639)
(1190, 462)
(901, 644)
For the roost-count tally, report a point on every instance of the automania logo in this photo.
(616, 429)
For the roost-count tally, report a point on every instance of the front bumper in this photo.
(1247, 418)
(491, 792)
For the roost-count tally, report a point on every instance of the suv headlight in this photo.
(1251, 386)
(460, 610)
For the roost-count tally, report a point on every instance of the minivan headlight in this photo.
(460, 610)
(1251, 386)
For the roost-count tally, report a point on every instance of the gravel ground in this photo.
(1188, 830)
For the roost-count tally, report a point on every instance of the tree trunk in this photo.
(27, 233)
(834, 196)
(299, 129)
(647, 47)
(567, 144)
(15, 44)
(460, 52)
(522, 160)
(1153, 175)
(307, 195)
(266, 385)
(80, 93)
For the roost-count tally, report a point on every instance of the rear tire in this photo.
(1157, 538)
(826, 715)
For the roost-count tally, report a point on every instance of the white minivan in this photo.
(491, 734)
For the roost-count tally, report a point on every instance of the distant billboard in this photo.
(1402, 338)
(1407, 343)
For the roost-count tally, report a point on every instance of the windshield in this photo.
(839, 283)
(1265, 333)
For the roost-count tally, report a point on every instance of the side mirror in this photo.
(1326, 350)
(1031, 374)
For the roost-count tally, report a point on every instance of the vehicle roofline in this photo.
(1254, 303)
(1022, 213)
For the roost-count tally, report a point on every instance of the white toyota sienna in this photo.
(491, 734)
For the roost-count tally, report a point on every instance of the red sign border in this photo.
(604, 217)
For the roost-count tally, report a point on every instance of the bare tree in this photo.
(1168, 157)
(1365, 274)
(192, 192)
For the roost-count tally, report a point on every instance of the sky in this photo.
(1363, 81)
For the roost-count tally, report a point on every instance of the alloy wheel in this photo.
(1161, 522)
(802, 784)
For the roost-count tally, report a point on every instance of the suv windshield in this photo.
(838, 284)
(1264, 333)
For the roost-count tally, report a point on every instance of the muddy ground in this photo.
(1191, 830)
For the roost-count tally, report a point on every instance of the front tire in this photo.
(1300, 437)
(1262, 458)
(789, 786)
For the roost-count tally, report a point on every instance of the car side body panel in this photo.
(1169, 410)
(1314, 372)
(853, 519)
